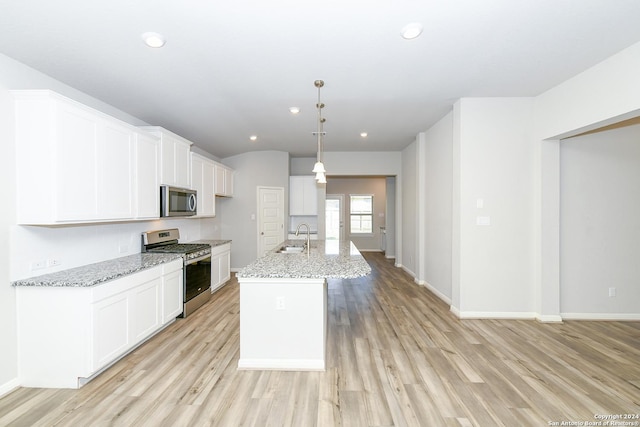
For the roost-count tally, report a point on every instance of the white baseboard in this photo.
(602, 316)
(546, 318)
(515, 315)
(9, 386)
(436, 292)
(282, 364)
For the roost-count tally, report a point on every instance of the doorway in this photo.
(334, 217)
(270, 218)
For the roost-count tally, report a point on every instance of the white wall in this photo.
(253, 169)
(495, 156)
(8, 331)
(437, 163)
(599, 233)
(409, 214)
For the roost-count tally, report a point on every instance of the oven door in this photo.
(197, 277)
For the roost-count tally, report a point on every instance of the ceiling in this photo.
(231, 69)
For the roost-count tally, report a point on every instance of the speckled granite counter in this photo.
(100, 272)
(213, 243)
(327, 259)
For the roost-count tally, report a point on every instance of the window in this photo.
(361, 214)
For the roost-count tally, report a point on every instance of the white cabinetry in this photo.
(147, 184)
(68, 334)
(74, 164)
(202, 180)
(220, 265)
(175, 159)
(224, 180)
(303, 195)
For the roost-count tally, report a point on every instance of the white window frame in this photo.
(351, 213)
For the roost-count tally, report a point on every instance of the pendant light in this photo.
(318, 168)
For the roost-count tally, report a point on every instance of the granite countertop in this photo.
(213, 242)
(331, 259)
(100, 272)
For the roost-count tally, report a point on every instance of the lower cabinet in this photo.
(68, 334)
(220, 265)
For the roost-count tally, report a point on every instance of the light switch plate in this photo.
(483, 220)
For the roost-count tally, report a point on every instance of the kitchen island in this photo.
(283, 304)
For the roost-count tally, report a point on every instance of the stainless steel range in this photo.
(196, 269)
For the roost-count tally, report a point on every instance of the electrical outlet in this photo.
(280, 305)
(38, 265)
(53, 262)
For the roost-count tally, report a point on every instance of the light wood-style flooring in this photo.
(396, 357)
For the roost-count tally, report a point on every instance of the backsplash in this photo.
(312, 221)
(40, 250)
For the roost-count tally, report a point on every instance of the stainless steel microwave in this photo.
(177, 201)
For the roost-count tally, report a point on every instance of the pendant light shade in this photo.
(318, 168)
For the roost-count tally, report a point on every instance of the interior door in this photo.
(334, 217)
(270, 218)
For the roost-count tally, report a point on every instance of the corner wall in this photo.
(495, 208)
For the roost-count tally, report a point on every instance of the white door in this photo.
(334, 217)
(270, 218)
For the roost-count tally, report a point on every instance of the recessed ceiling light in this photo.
(154, 39)
(363, 134)
(253, 137)
(411, 31)
(294, 110)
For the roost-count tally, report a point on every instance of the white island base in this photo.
(283, 324)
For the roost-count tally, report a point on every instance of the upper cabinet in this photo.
(175, 159)
(303, 195)
(202, 180)
(75, 164)
(223, 181)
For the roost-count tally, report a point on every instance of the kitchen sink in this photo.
(291, 250)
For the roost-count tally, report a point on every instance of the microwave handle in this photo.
(192, 202)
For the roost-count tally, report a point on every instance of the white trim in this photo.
(436, 292)
(516, 315)
(9, 386)
(411, 273)
(546, 318)
(282, 364)
(602, 316)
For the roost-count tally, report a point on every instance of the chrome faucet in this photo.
(308, 244)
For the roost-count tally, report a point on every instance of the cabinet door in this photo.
(215, 272)
(145, 308)
(208, 196)
(296, 195)
(182, 164)
(115, 172)
(172, 291)
(220, 180)
(146, 177)
(77, 157)
(228, 182)
(196, 181)
(110, 329)
(225, 267)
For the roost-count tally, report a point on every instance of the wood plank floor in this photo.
(396, 357)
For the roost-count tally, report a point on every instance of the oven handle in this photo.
(194, 260)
